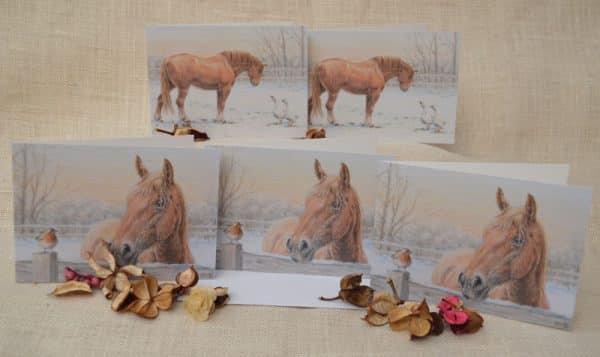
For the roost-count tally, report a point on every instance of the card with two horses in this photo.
(509, 247)
(246, 80)
(152, 206)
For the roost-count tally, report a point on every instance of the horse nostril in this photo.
(303, 245)
(288, 244)
(477, 281)
(126, 249)
(461, 279)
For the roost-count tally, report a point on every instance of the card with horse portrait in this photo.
(384, 85)
(153, 206)
(506, 246)
(246, 80)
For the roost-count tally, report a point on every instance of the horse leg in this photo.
(183, 92)
(222, 95)
(330, 103)
(372, 98)
(160, 104)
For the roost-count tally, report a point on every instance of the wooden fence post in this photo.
(45, 267)
(229, 256)
(401, 281)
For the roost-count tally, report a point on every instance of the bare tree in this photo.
(396, 205)
(282, 49)
(231, 184)
(35, 184)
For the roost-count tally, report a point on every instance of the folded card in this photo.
(246, 80)
(152, 206)
(509, 247)
(386, 85)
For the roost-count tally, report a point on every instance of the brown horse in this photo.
(365, 78)
(510, 263)
(218, 72)
(154, 226)
(329, 228)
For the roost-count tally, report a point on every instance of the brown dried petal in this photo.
(107, 256)
(72, 287)
(122, 282)
(418, 326)
(108, 285)
(140, 290)
(137, 305)
(100, 271)
(220, 291)
(150, 311)
(382, 303)
(118, 302)
(360, 296)
(188, 277)
(350, 281)
(437, 324)
(472, 325)
(374, 318)
(164, 299)
(132, 270)
(400, 313)
(399, 325)
(221, 300)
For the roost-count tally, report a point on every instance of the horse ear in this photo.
(344, 175)
(167, 173)
(530, 208)
(139, 166)
(502, 203)
(319, 171)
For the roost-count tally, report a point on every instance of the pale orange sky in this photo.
(469, 202)
(108, 173)
(205, 40)
(289, 174)
(361, 45)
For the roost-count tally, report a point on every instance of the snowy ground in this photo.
(561, 297)
(203, 250)
(248, 110)
(397, 115)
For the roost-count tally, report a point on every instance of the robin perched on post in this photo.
(402, 258)
(47, 239)
(234, 232)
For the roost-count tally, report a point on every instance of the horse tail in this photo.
(315, 92)
(165, 88)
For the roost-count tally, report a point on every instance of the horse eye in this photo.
(160, 203)
(336, 205)
(518, 240)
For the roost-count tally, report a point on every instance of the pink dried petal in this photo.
(455, 317)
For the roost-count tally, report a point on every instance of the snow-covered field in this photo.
(561, 297)
(68, 250)
(249, 111)
(397, 115)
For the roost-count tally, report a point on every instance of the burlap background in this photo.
(529, 74)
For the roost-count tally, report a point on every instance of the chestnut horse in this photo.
(330, 227)
(218, 72)
(154, 226)
(510, 263)
(365, 78)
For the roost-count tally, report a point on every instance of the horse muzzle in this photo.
(473, 288)
(300, 252)
(124, 253)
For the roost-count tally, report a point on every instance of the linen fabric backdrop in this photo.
(528, 92)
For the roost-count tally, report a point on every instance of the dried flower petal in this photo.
(374, 318)
(360, 296)
(188, 277)
(132, 270)
(350, 281)
(474, 323)
(437, 324)
(71, 287)
(383, 303)
(200, 303)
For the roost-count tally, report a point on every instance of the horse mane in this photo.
(241, 59)
(392, 64)
(181, 230)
